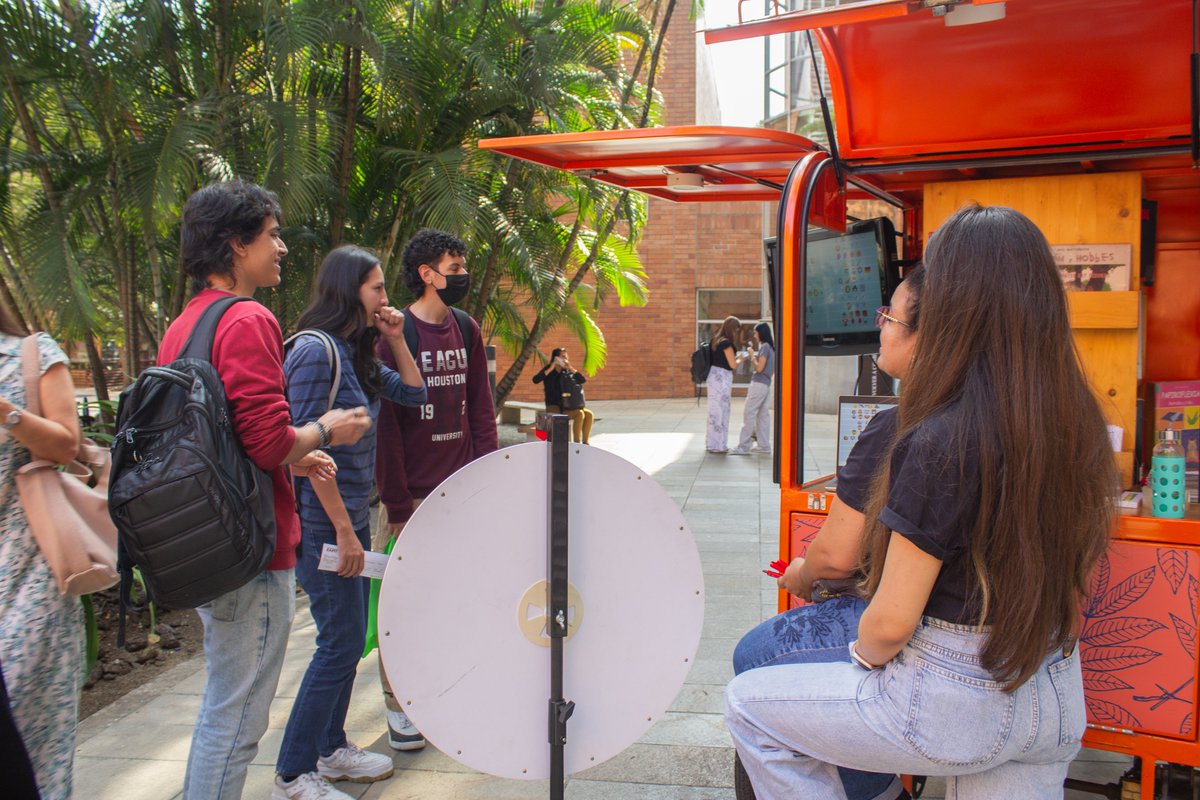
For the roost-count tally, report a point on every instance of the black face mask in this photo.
(456, 289)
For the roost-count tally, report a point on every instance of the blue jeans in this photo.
(815, 633)
(792, 723)
(245, 637)
(316, 726)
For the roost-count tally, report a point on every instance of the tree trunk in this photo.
(352, 66)
(96, 363)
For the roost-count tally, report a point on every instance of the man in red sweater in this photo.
(230, 245)
(419, 447)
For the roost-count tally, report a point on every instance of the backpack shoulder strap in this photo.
(464, 327)
(410, 332)
(199, 343)
(331, 352)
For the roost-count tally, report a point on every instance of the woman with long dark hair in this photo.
(981, 535)
(756, 416)
(350, 305)
(719, 385)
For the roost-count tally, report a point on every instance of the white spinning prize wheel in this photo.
(462, 624)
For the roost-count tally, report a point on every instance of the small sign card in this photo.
(375, 563)
(1094, 267)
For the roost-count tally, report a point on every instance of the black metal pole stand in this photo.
(557, 427)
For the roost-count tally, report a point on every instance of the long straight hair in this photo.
(729, 330)
(996, 362)
(337, 309)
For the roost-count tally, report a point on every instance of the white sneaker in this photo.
(309, 786)
(352, 763)
(738, 451)
(402, 734)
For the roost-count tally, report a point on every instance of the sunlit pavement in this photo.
(136, 748)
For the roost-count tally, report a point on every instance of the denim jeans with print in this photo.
(316, 726)
(245, 637)
(815, 633)
(932, 710)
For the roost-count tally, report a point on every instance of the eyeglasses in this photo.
(883, 316)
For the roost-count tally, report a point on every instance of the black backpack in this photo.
(193, 513)
(702, 361)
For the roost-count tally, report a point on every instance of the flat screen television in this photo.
(849, 275)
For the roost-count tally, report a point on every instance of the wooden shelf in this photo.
(1103, 309)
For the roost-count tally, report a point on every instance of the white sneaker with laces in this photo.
(352, 763)
(402, 734)
(309, 786)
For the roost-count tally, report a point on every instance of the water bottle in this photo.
(1168, 499)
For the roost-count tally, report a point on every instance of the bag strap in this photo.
(31, 373)
(464, 327)
(199, 343)
(331, 352)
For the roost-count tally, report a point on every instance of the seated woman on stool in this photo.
(556, 379)
(823, 629)
(981, 535)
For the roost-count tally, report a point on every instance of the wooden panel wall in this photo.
(1078, 209)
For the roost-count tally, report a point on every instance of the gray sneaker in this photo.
(352, 763)
(309, 786)
(402, 734)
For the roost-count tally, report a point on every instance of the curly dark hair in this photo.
(215, 215)
(427, 247)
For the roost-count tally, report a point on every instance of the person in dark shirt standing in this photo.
(421, 447)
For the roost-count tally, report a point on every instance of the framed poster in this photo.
(1094, 267)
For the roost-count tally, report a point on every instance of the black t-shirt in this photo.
(866, 457)
(718, 354)
(933, 504)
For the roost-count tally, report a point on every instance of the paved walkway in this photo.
(136, 748)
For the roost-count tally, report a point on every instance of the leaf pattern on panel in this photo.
(1193, 594)
(1099, 584)
(1118, 630)
(1108, 713)
(1102, 682)
(1124, 594)
(1111, 659)
(1173, 563)
(1186, 632)
(1185, 727)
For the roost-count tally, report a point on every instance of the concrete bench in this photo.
(512, 410)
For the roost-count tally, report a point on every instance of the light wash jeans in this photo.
(245, 637)
(933, 710)
(813, 634)
(756, 417)
(316, 726)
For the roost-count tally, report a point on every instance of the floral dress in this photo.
(41, 633)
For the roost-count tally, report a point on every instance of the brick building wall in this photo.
(685, 247)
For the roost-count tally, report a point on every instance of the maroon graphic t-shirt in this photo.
(420, 446)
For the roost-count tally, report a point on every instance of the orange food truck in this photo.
(1082, 114)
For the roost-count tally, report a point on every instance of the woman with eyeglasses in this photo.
(981, 535)
(822, 630)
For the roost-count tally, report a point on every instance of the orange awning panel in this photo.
(1034, 76)
(688, 163)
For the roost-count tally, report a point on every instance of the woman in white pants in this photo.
(757, 413)
(720, 384)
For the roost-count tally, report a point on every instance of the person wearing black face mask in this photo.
(420, 447)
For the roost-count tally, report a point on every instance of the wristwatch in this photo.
(12, 418)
